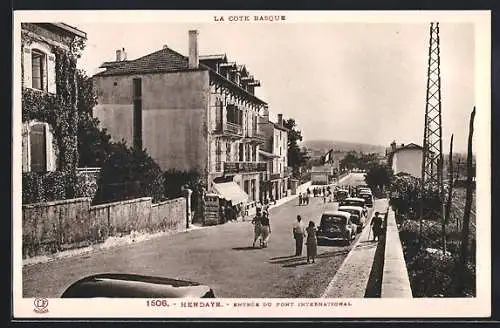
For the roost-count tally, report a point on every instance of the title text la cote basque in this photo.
(250, 18)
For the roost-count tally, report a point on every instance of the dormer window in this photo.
(38, 70)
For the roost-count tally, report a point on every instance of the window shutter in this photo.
(27, 67)
(25, 149)
(51, 73)
(38, 148)
(49, 140)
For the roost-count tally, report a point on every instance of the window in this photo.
(38, 61)
(38, 148)
(280, 151)
(137, 116)
(38, 152)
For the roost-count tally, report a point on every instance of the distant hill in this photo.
(343, 146)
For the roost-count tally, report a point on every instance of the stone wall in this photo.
(50, 227)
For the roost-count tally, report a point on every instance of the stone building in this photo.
(189, 113)
(275, 152)
(44, 44)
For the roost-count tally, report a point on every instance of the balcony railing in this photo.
(244, 167)
(275, 176)
(230, 128)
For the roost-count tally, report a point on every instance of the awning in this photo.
(266, 154)
(231, 191)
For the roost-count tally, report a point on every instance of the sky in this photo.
(353, 82)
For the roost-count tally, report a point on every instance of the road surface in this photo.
(219, 256)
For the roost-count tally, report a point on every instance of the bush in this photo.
(47, 186)
(433, 275)
(174, 180)
(129, 173)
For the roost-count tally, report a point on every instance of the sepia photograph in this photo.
(251, 164)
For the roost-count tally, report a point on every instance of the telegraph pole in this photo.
(432, 155)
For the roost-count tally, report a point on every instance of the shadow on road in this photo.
(246, 248)
(293, 265)
(294, 261)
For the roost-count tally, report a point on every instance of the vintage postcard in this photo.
(238, 164)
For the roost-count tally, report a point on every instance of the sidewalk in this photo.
(351, 280)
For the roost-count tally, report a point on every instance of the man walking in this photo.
(376, 226)
(298, 234)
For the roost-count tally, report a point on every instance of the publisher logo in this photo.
(41, 305)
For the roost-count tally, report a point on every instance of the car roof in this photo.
(363, 193)
(134, 286)
(348, 207)
(337, 213)
(355, 199)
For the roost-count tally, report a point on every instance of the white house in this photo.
(407, 159)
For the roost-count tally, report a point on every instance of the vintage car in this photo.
(113, 285)
(363, 190)
(336, 226)
(341, 194)
(357, 215)
(355, 201)
(368, 197)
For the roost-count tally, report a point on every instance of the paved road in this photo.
(219, 256)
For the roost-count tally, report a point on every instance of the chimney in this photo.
(118, 55)
(393, 145)
(193, 49)
(124, 54)
(265, 113)
(280, 119)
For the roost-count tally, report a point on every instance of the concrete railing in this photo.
(395, 280)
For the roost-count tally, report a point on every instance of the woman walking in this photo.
(257, 222)
(266, 229)
(311, 242)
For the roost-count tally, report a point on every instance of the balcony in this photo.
(255, 137)
(244, 167)
(276, 176)
(230, 129)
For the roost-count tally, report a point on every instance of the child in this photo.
(311, 242)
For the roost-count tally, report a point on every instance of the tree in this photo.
(379, 176)
(128, 173)
(94, 143)
(296, 157)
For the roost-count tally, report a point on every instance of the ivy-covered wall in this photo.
(59, 110)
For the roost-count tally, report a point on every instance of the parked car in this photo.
(357, 215)
(341, 194)
(355, 201)
(336, 226)
(368, 197)
(114, 285)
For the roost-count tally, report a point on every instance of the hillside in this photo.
(343, 146)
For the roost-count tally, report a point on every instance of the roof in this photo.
(213, 57)
(164, 60)
(279, 127)
(355, 198)
(359, 208)
(71, 29)
(337, 213)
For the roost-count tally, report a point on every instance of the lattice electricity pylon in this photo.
(432, 156)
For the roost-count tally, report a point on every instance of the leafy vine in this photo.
(59, 110)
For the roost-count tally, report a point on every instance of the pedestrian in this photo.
(300, 199)
(376, 226)
(298, 235)
(308, 192)
(266, 229)
(257, 222)
(311, 242)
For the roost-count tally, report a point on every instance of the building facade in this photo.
(189, 113)
(406, 159)
(275, 152)
(46, 59)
